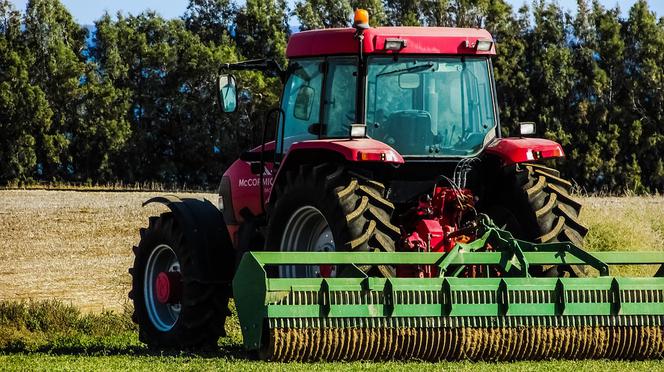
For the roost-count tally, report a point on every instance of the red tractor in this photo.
(388, 139)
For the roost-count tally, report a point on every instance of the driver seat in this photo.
(412, 131)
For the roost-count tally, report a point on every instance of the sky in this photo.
(87, 11)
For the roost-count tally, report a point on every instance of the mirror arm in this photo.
(267, 66)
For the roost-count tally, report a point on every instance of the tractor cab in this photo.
(422, 106)
(424, 92)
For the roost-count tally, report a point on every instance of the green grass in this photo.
(47, 362)
(625, 224)
(52, 336)
(51, 326)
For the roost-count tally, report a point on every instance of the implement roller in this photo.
(451, 317)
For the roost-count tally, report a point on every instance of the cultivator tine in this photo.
(493, 344)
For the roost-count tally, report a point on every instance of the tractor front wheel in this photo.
(326, 208)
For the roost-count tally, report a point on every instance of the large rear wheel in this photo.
(172, 306)
(324, 208)
(534, 203)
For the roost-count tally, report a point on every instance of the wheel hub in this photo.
(308, 231)
(169, 287)
(162, 288)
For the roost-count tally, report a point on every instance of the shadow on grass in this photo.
(224, 352)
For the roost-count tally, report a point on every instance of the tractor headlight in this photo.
(358, 131)
(395, 44)
(526, 128)
(483, 45)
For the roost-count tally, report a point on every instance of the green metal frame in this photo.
(515, 299)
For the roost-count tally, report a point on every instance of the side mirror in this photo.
(227, 89)
(526, 128)
(303, 102)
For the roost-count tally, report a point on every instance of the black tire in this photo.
(203, 306)
(535, 204)
(354, 207)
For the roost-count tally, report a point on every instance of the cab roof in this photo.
(418, 40)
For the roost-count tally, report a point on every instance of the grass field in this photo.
(66, 255)
(194, 363)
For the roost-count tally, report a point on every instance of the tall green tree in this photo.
(595, 145)
(177, 134)
(211, 20)
(510, 71)
(262, 29)
(549, 65)
(56, 65)
(100, 128)
(319, 14)
(24, 111)
(403, 13)
(610, 92)
(644, 57)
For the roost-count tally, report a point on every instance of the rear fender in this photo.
(360, 150)
(520, 150)
(352, 149)
(204, 229)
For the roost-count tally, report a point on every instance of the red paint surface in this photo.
(519, 150)
(245, 187)
(351, 149)
(419, 40)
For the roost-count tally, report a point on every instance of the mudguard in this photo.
(204, 229)
(356, 150)
(520, 150)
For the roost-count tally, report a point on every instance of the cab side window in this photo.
(301, 102)
(340, 89)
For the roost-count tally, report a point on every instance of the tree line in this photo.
(134, 101)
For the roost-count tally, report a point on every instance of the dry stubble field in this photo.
(72, 246)
(75, 246)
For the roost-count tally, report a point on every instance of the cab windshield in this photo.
(429, 106)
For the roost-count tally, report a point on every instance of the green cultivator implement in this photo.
(504, 314)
